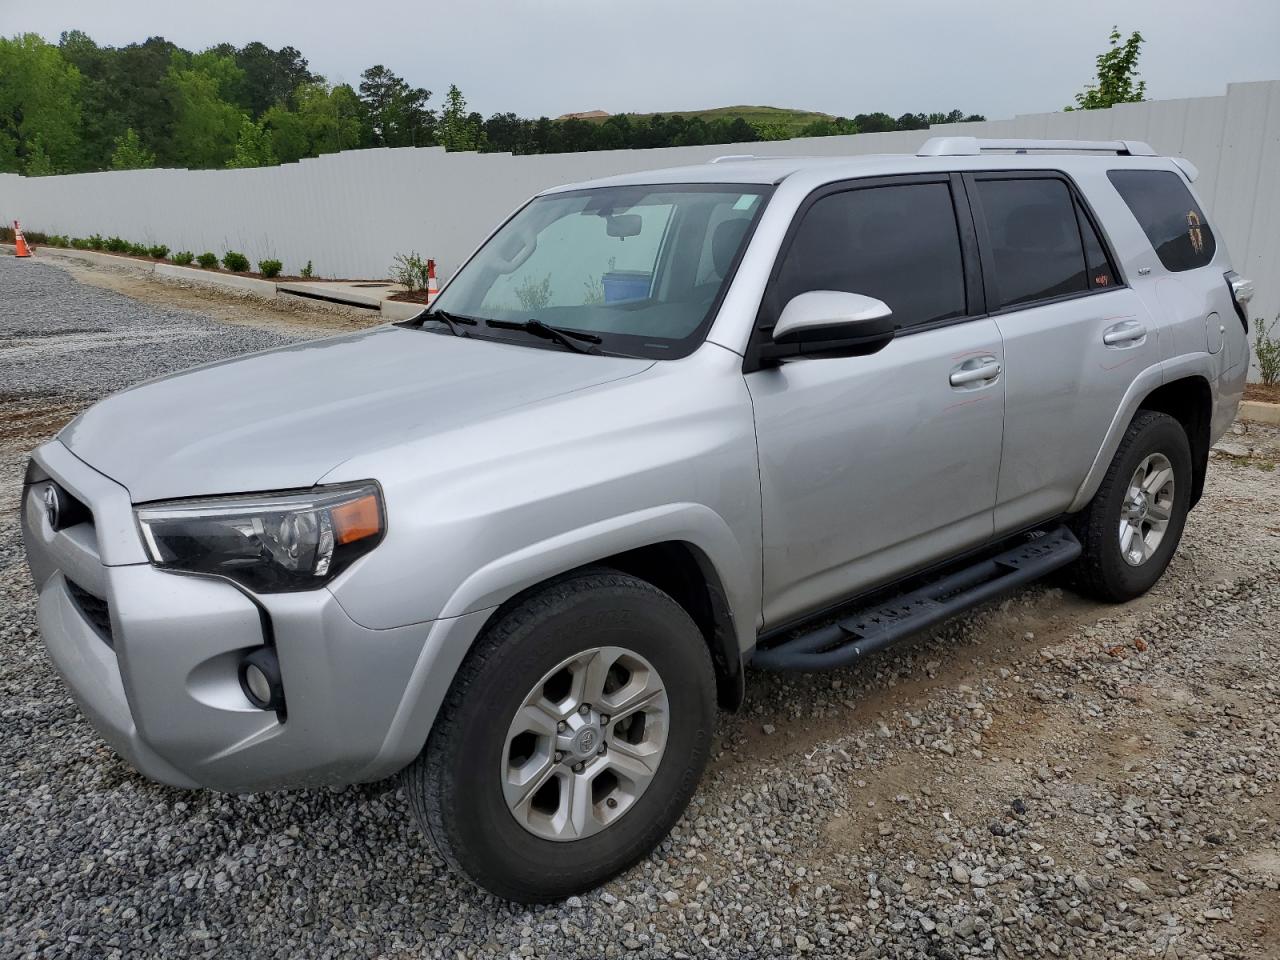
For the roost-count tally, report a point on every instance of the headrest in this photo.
(725, 242)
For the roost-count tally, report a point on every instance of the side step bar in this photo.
(873, 628)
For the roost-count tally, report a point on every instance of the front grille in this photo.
(95, 610)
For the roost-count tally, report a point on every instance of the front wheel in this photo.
(571, 740)
(1132, 526)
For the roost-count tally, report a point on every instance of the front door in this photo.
(872, 467)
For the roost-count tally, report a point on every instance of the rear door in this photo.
(874, 466)
(1075, 336)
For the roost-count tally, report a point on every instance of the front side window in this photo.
(1168, 215)
(899, 244)
(1034, 238)
(640, 267)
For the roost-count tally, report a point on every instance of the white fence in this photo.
(351, 213)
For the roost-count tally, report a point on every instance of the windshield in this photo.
(640, 267)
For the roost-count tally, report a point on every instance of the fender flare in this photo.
(1143, 385)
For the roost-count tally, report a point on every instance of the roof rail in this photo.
(729, 157)
(974, 146)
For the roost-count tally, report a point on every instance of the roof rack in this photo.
(974, 146)
(730, 157)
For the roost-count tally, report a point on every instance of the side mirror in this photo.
(832, 323)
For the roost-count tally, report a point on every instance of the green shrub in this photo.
(183, 257)
(96, 242)
(36, 236)
(235, 262)
(159, 251)
(207, 260)
(1267, 349)
(58, 240)
(270, 268)
(80, 243)
(410, 270)
(306, 271)
(139, 249)
(116, 244)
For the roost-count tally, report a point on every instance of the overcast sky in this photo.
(537, 57)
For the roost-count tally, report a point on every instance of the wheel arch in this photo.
(1189, 400)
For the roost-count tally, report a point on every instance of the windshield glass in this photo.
(641, 267)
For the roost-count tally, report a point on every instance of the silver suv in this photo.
(778, 412)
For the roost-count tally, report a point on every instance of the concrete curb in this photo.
(343, 294)
(1259, 411)
(260, 288)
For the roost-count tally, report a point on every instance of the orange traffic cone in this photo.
(432, 286)
(20, 248)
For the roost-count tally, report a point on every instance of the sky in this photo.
(844, 57)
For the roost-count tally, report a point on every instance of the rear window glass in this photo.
(1035, 239)
(1168, 214)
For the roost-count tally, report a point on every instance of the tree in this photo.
(459, 130)
(396, 113)
(130, 154)
(324, 120)
(875, 122)
(39, 107)
(253, 147)
(1117, 79)
(206, 128)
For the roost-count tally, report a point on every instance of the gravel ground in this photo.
(1044, 777)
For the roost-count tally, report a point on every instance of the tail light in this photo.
(1241, 294)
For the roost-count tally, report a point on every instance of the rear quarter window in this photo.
(1168, 215)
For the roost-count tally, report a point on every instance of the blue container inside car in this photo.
(623, 285)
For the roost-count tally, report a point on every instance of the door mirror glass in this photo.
(834, 323)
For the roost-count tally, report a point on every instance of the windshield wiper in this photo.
(573, 339)
(450, 320)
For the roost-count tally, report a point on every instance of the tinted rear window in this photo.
(899, 244)
(1169, 215)
(1035, 239)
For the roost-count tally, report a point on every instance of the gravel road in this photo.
(1045, 777)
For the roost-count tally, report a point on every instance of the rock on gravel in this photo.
(1109, 787)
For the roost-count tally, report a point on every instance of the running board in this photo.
(873, 628)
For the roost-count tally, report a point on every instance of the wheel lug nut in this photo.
(611, 803)
(558, 756)
(577, 767)
(604, 718)
(584, 709)
(562, 726)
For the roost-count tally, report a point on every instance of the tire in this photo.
(459, 786)
(1154, 442)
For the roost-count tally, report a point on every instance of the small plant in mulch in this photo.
(158, 250)
(184, 257)
(235, 262)
(1266, 348)
(57, 240)
(270, 268)
(96, 242)
(306, 271)
(207, 260)
(116, 245)
(79, 243)
(139, 250)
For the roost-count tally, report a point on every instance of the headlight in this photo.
(269, 543)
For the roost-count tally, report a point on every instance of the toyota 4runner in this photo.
(778, 412)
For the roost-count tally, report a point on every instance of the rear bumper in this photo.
(160, 682)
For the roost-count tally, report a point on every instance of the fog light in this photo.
(260, 679)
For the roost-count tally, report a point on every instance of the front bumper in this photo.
(156, 670)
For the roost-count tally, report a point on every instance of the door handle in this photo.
(1127, 332)
(987, 368)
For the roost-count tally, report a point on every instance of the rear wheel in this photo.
(571, 740)
(1132, 526)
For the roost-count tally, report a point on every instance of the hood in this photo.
(284, 418)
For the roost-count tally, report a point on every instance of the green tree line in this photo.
(76, 106)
